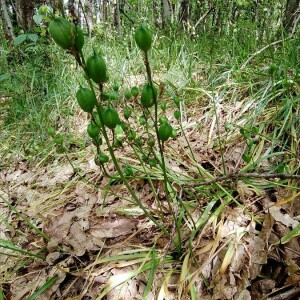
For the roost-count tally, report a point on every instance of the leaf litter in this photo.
(97, 249)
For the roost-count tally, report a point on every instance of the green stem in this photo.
(160, 145)
(69, 161)
(117, 166)
(219, 138)
(151, 184)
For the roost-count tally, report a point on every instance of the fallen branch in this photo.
(287, 295)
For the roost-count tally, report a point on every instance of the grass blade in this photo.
(151, 275)
(293, 233)
(25, 220)
(11, 246)
(43, 288)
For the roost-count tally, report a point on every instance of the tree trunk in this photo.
(6, 22)
(184, 13)
(117, 17)
(156, 10)
(291, 12)
(103, 11)
(51, 3)
(219, 21)
(89, 8)
(72, 11)
(24, 12)
(165, 12)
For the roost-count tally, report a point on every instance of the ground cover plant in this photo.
(153, 166)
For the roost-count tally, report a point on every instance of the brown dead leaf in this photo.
(224, 289)
(104, 228)
(56, 175)
(280, 216)
(261, 288)
(79, 240)
(26, 285)
(243, 295)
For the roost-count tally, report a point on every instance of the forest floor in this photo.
(70, 232)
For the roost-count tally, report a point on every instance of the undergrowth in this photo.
(252, 105)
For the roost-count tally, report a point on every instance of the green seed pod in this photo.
(147, 96)
(110, 118)
(113, 95)
(128, 170)
(97, 119)
(124, 126)
(176, 101)
(151, 141)
(139, 142)
(96, 68)
(174, 134)
(165, 131)
(162, 120)
(127, 95)
(177, 114)
(51, 131)
(143, 38)
(135, 91)
(102, 158)
(115, 87)
(62, 32)
(58, 139)
(119, 133)
(97, 141)
(93, 130)
(117, 144)
(143, 120)
(79, 39)
(86, 99)
(43, 10)
(131, 135)
(105, 96)
(152, 162)
(163, 106)
(127, 112)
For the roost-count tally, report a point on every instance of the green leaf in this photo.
(280, 168)
(246, 158)
(43, 32)
(292, 234)
(47, 19)
(245, 132)
(151, 275)
(43, 288)
(38, 19)
(9, 245)
(20, 39)
(33, 37)
(255, 129)
(4, 76)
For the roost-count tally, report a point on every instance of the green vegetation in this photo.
(164, 157)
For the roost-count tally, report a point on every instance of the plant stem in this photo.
(116, 164)
(160, 145)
